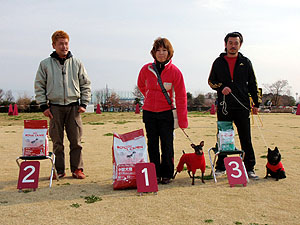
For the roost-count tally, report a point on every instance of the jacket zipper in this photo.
(64, 80)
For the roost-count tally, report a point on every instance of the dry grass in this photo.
(261, 202)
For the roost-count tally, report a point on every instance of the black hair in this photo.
(234, 34)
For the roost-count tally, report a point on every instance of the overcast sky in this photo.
(113, 38)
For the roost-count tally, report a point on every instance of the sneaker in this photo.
(60, 175)
(78, 174)
(219, 173)
(252, 175)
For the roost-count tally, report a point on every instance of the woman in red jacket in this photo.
(157, 112)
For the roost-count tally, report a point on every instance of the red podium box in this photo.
(235, 170)
(146, 177)
(29, 175)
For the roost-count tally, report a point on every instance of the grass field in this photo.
(93, 200)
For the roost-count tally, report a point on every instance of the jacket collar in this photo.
(240, 55)
(61, 60)
(167, 65)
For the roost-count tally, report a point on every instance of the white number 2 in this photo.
(236, 168)
(29, 174)
(146, 176)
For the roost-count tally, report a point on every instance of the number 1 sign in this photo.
(29, 175)
(235, 170)
(146, 177)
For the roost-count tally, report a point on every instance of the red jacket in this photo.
(192, 161)
(155, 101)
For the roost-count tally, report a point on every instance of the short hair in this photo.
(234, 34)
(59, 34)
(165, 43)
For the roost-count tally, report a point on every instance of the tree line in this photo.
(278, 94)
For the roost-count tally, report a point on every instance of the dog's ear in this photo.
(202, 143)
(269, 150)
(276, 149)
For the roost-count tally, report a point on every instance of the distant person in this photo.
(233, 78)
(157, 112)
(62, 89)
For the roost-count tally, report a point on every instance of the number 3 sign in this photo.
(235, 170)
(146, 177)
(29, 175)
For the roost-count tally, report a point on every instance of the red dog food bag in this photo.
(35, 139)
(128, 149)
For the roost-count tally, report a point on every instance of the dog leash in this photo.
(187, 136)
(224, 104)
(224, 111)
(264, 140)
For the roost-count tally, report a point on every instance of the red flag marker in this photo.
(212, 110)
(98, 110)
(10, 110)
(15, 113)
(137, 109)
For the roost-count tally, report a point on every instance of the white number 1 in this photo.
(236, 168)
(146, 176)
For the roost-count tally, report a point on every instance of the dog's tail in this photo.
(183, 152)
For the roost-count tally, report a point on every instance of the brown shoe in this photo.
(60, 175)
(78, 174)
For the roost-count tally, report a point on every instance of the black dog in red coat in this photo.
(274, 165)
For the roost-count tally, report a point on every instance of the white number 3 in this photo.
(236, 168)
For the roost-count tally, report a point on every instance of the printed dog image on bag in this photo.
(274, 165)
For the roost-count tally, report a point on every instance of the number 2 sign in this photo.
(29, 175)
(146, 177)
(235, 170)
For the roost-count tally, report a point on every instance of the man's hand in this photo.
(81, 109)
(226, 91)
(255, 110)
(48, 113)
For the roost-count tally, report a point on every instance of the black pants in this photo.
(242, 121)
(160, 127)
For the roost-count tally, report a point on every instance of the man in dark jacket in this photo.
(233, 78)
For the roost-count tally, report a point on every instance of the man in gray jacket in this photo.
(62, 89)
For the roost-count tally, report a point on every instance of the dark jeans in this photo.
(160, 127)
(242, 121)
(66, 117)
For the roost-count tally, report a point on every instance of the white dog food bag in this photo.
(128, 149)
(226, 140)
(35, 139)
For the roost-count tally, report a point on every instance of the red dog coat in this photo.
(276, 167)
(193, 162)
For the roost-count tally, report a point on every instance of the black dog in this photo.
(274, 165)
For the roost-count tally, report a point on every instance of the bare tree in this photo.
(1, 94)
(9, 96)
(278, 89)
(137, 93)
(199, 100)
(23, 102)
(100, 96)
